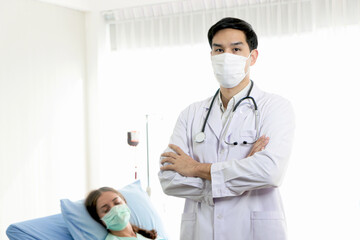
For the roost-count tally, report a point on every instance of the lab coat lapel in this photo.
(243, 111)
(214, 120)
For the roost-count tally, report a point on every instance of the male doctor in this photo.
(230, 187)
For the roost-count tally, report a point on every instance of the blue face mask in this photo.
(117, 218)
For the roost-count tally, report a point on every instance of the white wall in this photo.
(42, 73)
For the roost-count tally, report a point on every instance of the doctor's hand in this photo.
(183, 164)
(259, 145)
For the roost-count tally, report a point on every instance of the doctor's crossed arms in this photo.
(186, 166)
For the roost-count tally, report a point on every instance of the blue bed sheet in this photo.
(47, 228)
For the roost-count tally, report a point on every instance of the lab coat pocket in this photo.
(248, 136)
(241, 150)
(187, 226)
(268, 226)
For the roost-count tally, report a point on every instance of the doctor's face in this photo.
(233, 41)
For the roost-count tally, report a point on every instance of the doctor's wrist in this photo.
(203, 170)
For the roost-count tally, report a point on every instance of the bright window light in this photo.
(318, 72)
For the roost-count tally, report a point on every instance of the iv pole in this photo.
(148, 189)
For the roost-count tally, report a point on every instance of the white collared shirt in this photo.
(231, 104)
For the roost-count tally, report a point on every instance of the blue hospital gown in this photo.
(138, 237)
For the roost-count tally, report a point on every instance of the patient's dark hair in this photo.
(237, 24)
(90, 204)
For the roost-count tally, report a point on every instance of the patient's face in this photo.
(106, 201)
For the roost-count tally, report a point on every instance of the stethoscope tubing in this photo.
(202, 133)
(208, 114)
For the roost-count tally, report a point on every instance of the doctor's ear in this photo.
(254, 56)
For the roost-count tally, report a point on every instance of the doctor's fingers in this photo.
(261, 143)
(168, 160)
(177, 149)
(169, 154)
(167, 167)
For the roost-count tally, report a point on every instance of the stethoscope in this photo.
(201, 136)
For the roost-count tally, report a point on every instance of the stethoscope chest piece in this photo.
(200, 137)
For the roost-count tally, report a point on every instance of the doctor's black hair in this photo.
(237, 24)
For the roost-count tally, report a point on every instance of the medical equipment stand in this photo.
(133, 140)
(148, 189)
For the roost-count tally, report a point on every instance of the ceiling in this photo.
(106, 5)
(103, 5)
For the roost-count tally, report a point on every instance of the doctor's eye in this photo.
(236, 49)
(219, 50)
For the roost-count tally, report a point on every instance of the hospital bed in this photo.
(74, 223)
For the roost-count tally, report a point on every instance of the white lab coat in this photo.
(242, 200)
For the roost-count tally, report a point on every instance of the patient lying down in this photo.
(108, 207)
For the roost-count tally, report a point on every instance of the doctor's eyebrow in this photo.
(216, 45)
(232, 44)
(237, 43)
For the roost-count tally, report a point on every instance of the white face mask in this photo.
(229, 69)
